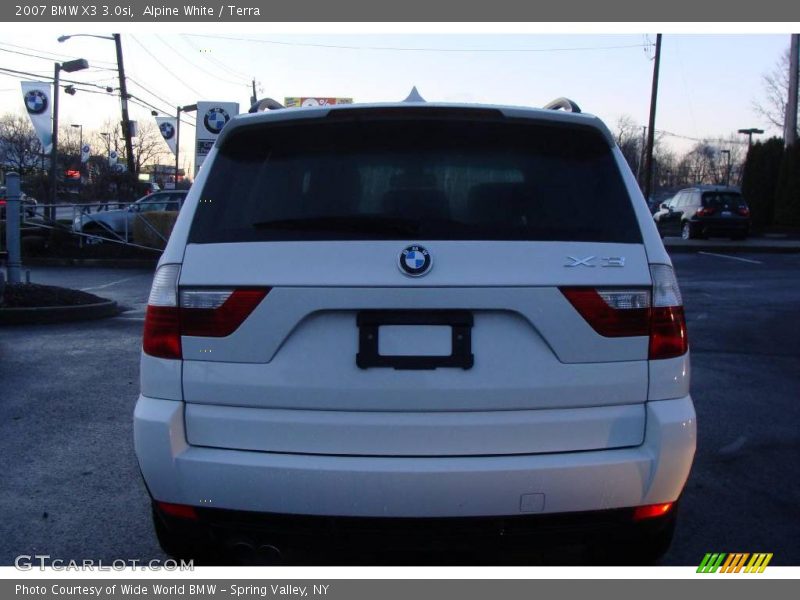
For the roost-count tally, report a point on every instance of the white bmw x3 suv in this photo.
(414, 321)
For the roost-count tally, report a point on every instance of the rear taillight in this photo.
(216, 313)
(743, 211)
(162, 325)
(656, 312)
(612, 313)
(182, 511)
(192, 312)
(652, 511)
(705, 212)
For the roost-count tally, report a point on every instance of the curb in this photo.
(112, 263)
(58, 314)
(766, 249)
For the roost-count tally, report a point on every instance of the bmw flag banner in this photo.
(36, 96)
(112, 159)
(86, 152)
(211, 118)
(168, 128)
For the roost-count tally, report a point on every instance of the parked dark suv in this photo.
(704, 211)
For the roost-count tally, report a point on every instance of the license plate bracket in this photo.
(370, 321)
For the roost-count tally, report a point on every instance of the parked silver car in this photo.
(120, 222)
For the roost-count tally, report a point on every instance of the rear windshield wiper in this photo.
(354, 223)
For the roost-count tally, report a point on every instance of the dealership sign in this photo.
(211, 118)
(296, 102)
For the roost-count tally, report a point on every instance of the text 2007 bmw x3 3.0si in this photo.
(410, 323)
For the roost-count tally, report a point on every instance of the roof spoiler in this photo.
(265, 104)
(563, 104)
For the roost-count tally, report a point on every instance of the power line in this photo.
(198, 67)
(145, 88)
(102, 90)
(411, 49)
(55, 55)
(50, 77)
(695, 139)
(212, 60)
(163, 66)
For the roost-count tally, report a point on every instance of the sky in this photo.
(708, 83)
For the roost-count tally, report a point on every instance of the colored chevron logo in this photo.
(736, 562)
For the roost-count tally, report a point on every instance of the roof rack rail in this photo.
(414, 96)
(563, 104)
(265, 104)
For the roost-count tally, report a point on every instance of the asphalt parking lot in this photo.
(71, 487)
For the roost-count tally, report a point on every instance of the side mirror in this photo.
(663, 206)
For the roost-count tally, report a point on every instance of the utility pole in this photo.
(50, 213)
(177, 145)
(648, 174)
(641, 157)
(126, 122)
(790, 124)
(254, 97)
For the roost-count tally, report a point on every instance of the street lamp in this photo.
(749, 133)
(123, 91)
(80, 148)
(69, 66)
(728, 169)
(79, 126)
(64, 38)
(187, 108)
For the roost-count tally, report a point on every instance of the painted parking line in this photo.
(739, 258)
(105, 285)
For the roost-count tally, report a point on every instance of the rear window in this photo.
(423, 179)
(723, 200)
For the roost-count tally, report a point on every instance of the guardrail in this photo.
(91, 223)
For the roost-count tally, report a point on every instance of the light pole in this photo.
(69, 66)
(187, 108)
(123, 93)
(80, 146)
(749, 133)
(728, 169)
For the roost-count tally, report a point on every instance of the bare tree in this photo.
(20, 148)
(629, 140)
(772, 106)
(699, 165)
(148, 147)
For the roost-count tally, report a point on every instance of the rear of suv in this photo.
(705, 211)
(411, 322)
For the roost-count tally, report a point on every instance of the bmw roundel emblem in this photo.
(36, 102)
(167, 130)
(415, 261)
(215, 119)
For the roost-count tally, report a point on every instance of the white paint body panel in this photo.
(653, 472)
(477, 433)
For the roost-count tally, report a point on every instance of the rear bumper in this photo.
(248, 532)
(414, 487)
(732, 225)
